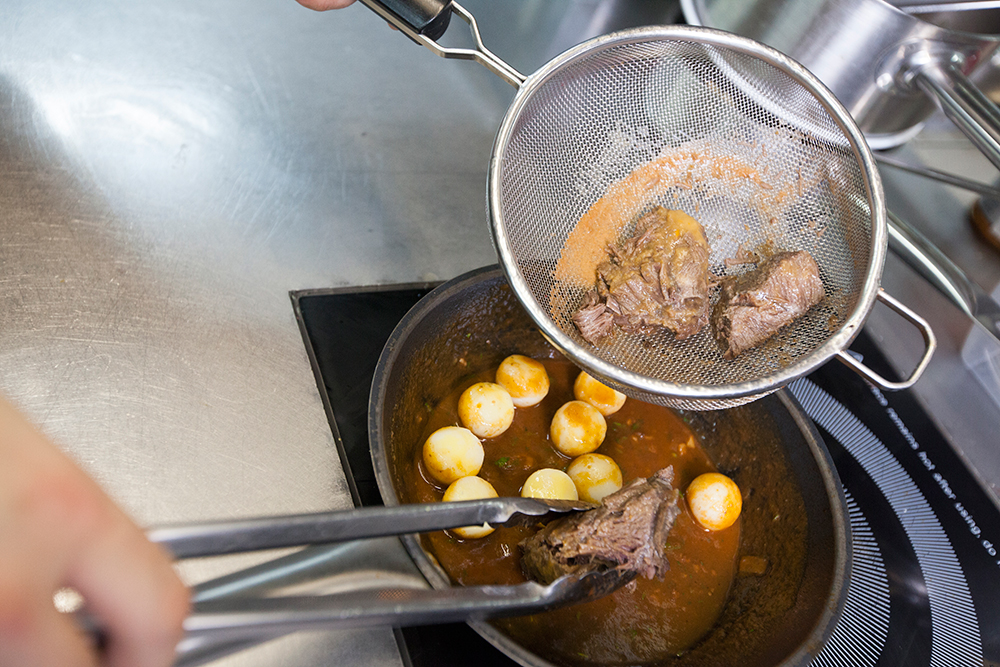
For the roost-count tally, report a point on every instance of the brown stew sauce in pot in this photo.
(645, 622)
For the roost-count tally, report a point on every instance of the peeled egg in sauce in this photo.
(714, 500)
(601, 396)
(595, 476)
(549, 483)
(470, 488)
(452, 452)
(577, 428)
(524, 378)
(486, 409)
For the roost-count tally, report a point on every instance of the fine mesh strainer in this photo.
(735, 134)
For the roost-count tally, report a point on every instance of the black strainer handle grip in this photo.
(930, 344)
(424, 21)
(429, 18)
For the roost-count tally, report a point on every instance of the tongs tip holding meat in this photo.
(225, 537)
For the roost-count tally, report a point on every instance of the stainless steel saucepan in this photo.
(770, 446)
(888, 65)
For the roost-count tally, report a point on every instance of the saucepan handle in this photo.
(425, 21)
(930, 343)
(964, 104)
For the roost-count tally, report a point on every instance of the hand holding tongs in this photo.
(226, 624)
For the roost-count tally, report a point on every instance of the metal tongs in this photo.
(222, 623)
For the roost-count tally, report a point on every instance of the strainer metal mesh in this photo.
(738, 144)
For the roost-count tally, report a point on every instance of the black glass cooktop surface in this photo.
(925, 585)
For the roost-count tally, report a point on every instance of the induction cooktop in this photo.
(925, 585)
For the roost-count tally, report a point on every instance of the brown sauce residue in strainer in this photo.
(611, 215)
(784, 194)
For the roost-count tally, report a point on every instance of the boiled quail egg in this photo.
(714, 500)
(577, 428)
(470, 488)
(595, 476)
(601, 396)
(486, 409)
(524, 379)
(549, 483)
(452, 452)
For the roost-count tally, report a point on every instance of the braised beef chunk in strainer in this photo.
(753, 306)
(657, 278)
(628, 531)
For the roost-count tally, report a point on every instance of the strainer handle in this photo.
(930, 343)
(424, 21)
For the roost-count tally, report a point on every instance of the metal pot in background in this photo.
(770, 446)
(889, 67)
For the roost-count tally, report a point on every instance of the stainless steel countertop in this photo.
(170, 171)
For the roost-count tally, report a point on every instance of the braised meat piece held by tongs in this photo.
(627, 532)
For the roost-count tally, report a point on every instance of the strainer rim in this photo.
(838, 341)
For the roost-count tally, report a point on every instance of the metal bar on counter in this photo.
(933, 7)
(925, 258)
(949, 179)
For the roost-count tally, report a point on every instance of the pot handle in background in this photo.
(982, 189)
(930, 343)
(964, 104)
(922, 256)
(425, 21)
